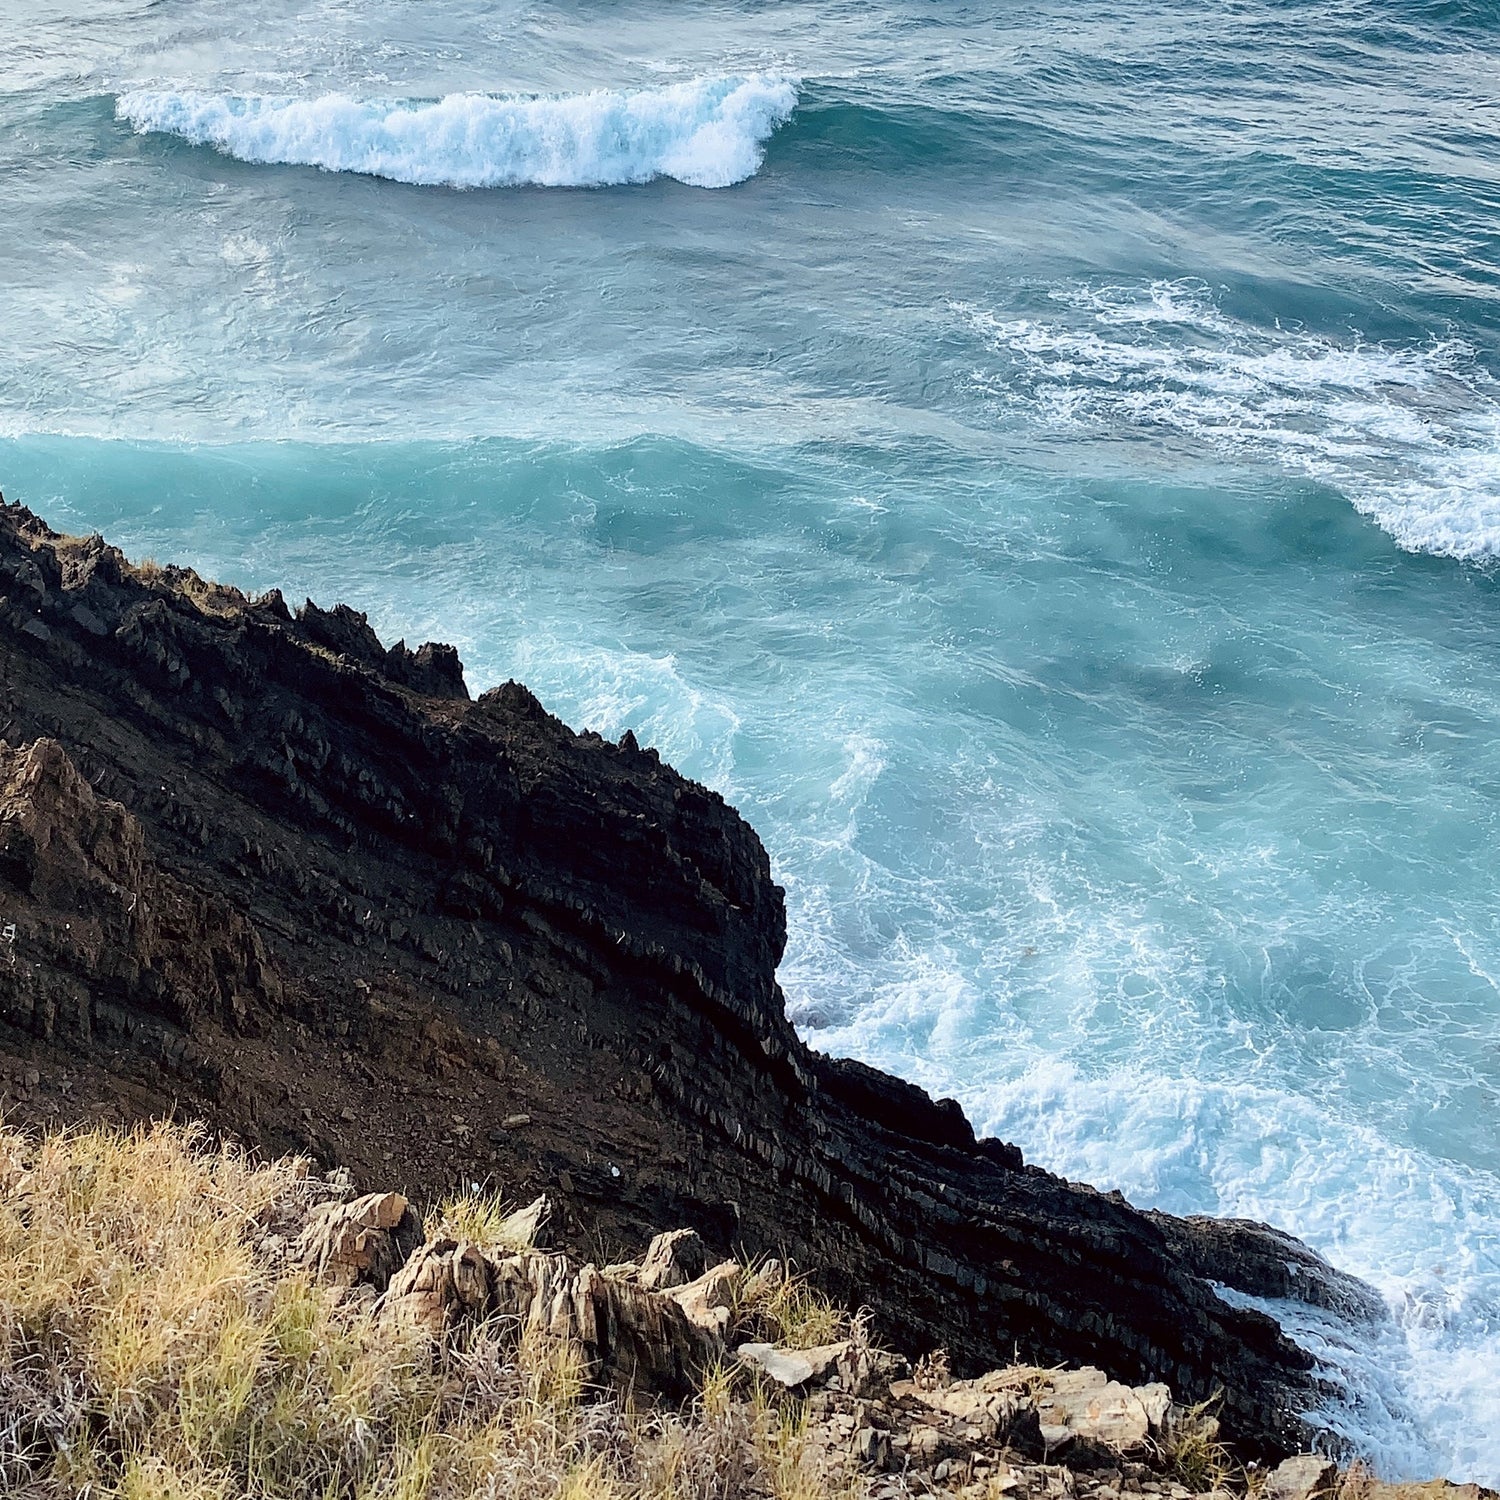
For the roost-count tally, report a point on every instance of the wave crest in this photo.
(707, 132)
(1409, 434)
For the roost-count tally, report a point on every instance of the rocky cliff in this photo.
(259, 868)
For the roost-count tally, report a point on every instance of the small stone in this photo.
(87, 620)
(872, 1446)
(32, 1078)
(515, 1122)
(347, 1115)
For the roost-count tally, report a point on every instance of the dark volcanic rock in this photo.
(262, 869)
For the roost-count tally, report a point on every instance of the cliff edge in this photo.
(259, 868)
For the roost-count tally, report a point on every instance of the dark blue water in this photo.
(1043, 463)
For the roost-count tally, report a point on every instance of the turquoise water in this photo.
(1043, 464)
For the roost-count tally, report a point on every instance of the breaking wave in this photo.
(1411, 435)
(707, 132)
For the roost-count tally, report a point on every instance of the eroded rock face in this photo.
(263, 870)
(362, 1243)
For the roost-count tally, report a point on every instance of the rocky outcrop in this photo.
(256, 867)
(363, 1243)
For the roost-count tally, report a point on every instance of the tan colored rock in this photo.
(444, 1284)
(359, 1243)
(631, 1338)
(639, 1340)
(709, 1301)
(534, 1291)
(1433, 1489)
(795, 1368)
(1087, 1404)
(1301, 1478)
(524, 1227)
(673, 1259)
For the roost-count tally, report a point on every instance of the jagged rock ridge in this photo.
(257, 867)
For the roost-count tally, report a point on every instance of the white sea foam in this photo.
(1414, 1396)
(1410, 434)
(708, 132)
(1079, 1033)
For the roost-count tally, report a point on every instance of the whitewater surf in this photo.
(708, 133)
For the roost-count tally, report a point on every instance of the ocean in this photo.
(1041, 463)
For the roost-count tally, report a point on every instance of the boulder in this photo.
(524, 1227)
(444, 1284)
(1301, 1477)
(794, 1368)
(362, 1243)
(1087, 1404)
(638, 1340)
(672, 1260)
(709, 1301)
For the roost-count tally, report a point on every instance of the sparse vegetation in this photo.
(162, 1339)
(789, 1308)
(1193, 1454)
(148, 1353)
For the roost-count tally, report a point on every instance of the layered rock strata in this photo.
(259, 868)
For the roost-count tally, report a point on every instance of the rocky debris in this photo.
(360, 1243)
(257, 869)
(1363, 1488)
(658, 1344)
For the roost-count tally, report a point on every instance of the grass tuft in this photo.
(487, 1220)
(788, 1309)
(1192, 1453)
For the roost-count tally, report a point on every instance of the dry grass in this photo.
(487, 1220)
(1193, 1454)
(783, 1305)
(148, 1353)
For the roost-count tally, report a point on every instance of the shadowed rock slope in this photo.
(257, 867)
